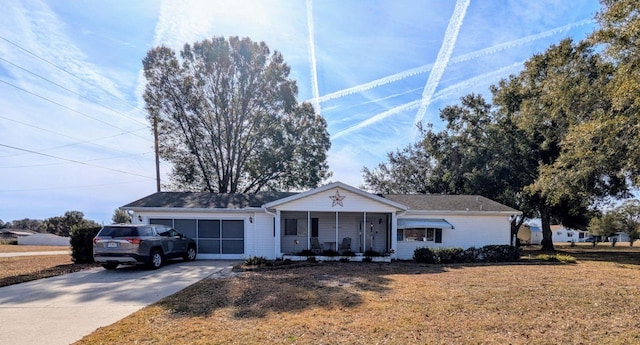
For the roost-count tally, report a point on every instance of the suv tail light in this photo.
(133, 240)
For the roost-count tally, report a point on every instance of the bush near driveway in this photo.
(82, 245)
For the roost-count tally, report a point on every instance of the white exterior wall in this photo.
(262, 236)
(469, 231)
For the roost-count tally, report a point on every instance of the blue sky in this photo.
(73, 134)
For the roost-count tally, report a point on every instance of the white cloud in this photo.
(448, 44)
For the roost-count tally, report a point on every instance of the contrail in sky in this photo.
(312, 57)
(462, 58)
(453, 89)
(448, 44)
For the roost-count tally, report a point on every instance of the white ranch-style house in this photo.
(335, 217)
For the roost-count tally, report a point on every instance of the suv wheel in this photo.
(190, 255)
(110, 265)
(156, 259)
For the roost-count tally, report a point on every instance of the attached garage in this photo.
(214, 237)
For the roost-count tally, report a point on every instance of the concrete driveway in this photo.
(63, 309)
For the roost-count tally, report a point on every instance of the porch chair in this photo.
(345, 245)
(315, 245)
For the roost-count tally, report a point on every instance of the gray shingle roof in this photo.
(426, 202)
(207, 200)
(436, 202)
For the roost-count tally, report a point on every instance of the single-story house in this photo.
(620, 237)
(335, 216)
(562, 234)
(40, 239)
(12, 234)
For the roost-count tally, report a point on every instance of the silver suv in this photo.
(130, 244)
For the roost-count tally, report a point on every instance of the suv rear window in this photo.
(124, 231)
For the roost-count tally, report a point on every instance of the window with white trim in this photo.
(420, 235)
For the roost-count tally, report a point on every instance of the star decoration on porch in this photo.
(337, 199)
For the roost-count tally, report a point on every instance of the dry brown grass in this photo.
(591, 302)
(7, 248)
(20, 269)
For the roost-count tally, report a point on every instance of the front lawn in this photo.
(534, 302)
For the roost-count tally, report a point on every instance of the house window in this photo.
(290, 227)
(421, 235)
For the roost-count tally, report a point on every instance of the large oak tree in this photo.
(508, 150)
(228, 118)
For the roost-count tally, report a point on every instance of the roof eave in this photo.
(465, 213)
(196, 210)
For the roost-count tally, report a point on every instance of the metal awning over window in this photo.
(423, 223)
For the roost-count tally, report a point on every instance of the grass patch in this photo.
(21, 269)
(563, 258)
(401, 302)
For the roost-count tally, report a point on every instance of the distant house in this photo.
(334, 217)
(12, 234)
(40, 239)
(620, 237)
(562, 234)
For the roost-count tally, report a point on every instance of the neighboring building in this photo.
(620, 237)
(529, 234)
(40, 239)
(12, 234)
(236, 226)
(562, 234)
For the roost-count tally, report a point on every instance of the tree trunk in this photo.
(547, 235)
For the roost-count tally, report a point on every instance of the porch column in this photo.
(278, 239)
(308, 229)
(394, 234)
(336, 234)
(364, 232)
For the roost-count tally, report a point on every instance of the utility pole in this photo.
(155, 143)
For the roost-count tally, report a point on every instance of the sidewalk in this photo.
(58, 252)
(63, 309)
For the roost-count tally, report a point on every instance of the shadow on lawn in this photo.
(255, 294)
(620, 254)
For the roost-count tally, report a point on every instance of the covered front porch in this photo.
(344, 233)
(335, 219)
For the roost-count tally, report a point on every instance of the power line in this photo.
(74, 92)
(86, 160)
(75, 161)
(69, 73)
(71, 109)
(80, 141)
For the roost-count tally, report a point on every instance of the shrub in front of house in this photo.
(471, 254)
(307, 252)
(348, 253)
(499, 253)
(330, 252)
(423, 255)
(82, 244)
(256, 261)
(490, 253)
(449, 255)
